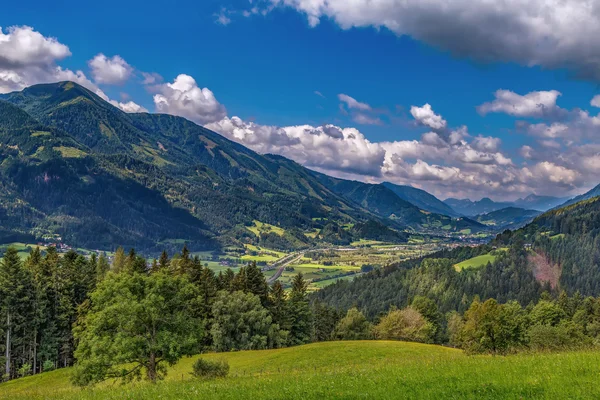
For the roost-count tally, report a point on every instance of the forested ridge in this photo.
(75, 166)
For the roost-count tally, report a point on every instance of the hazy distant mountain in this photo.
(540, 203)
(487, 205)
(508, 218)
(472, 208)
(595, 192)
(422, 199)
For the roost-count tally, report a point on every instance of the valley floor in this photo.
(351, 370)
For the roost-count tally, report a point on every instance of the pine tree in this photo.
(225, 280)
(41, 281)
(16, 293)
(301, 318)
(278, 306)
(163, 261)
(102, 267)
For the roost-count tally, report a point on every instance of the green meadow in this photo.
(349, 370)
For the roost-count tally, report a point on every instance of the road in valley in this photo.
(281, 264)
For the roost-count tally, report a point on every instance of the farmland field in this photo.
(362, 369)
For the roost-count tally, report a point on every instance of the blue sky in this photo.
(265, 67)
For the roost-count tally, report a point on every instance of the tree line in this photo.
(58, 311)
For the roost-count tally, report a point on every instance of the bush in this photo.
(564, 336)
(25, 370)
(354, 326)
(48, 366)
(407, 324)
(210, 369)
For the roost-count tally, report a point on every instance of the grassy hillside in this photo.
(386, 370)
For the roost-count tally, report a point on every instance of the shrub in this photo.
(210, 369)
(407, 324)
(25, 370)
(565, 335)
(48, 366)
(354, 326)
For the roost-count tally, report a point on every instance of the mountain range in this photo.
(73, 165)
(486, 205)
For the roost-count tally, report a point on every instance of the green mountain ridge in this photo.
(421, 199)
(75, 166)
(558, 251)
(381, 200)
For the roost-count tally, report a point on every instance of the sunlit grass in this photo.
(368, 369)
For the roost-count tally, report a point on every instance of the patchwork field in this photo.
(349, 370)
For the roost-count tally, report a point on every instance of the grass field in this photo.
(259, 227)
(475, 262)
(478, 261)
(350, 370)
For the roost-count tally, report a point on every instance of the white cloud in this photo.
(129, 107)
(490, 144)
(28, 58)
(595, 101)
(328, 147)
(426, 117)
(110, 71)
(352, 103)
(527, 152)
(546, 33)
(186, 99)
(23, 47)
(540, 104)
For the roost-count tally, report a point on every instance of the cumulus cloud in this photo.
(595, 101)
(183, 97)
(533, 33)
(21, 46)
(28, 58)
(328, 147)
(540, 104)
(129, 107)
(426, 117)
(110, 71)
(434, 162)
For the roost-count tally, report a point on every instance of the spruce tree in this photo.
(301, 318)
(163, 261)
(16, 293)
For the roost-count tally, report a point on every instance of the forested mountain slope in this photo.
(383, 201)
(421, 199)
(74, 165)
(558, 251)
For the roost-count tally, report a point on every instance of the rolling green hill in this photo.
(369, 369)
